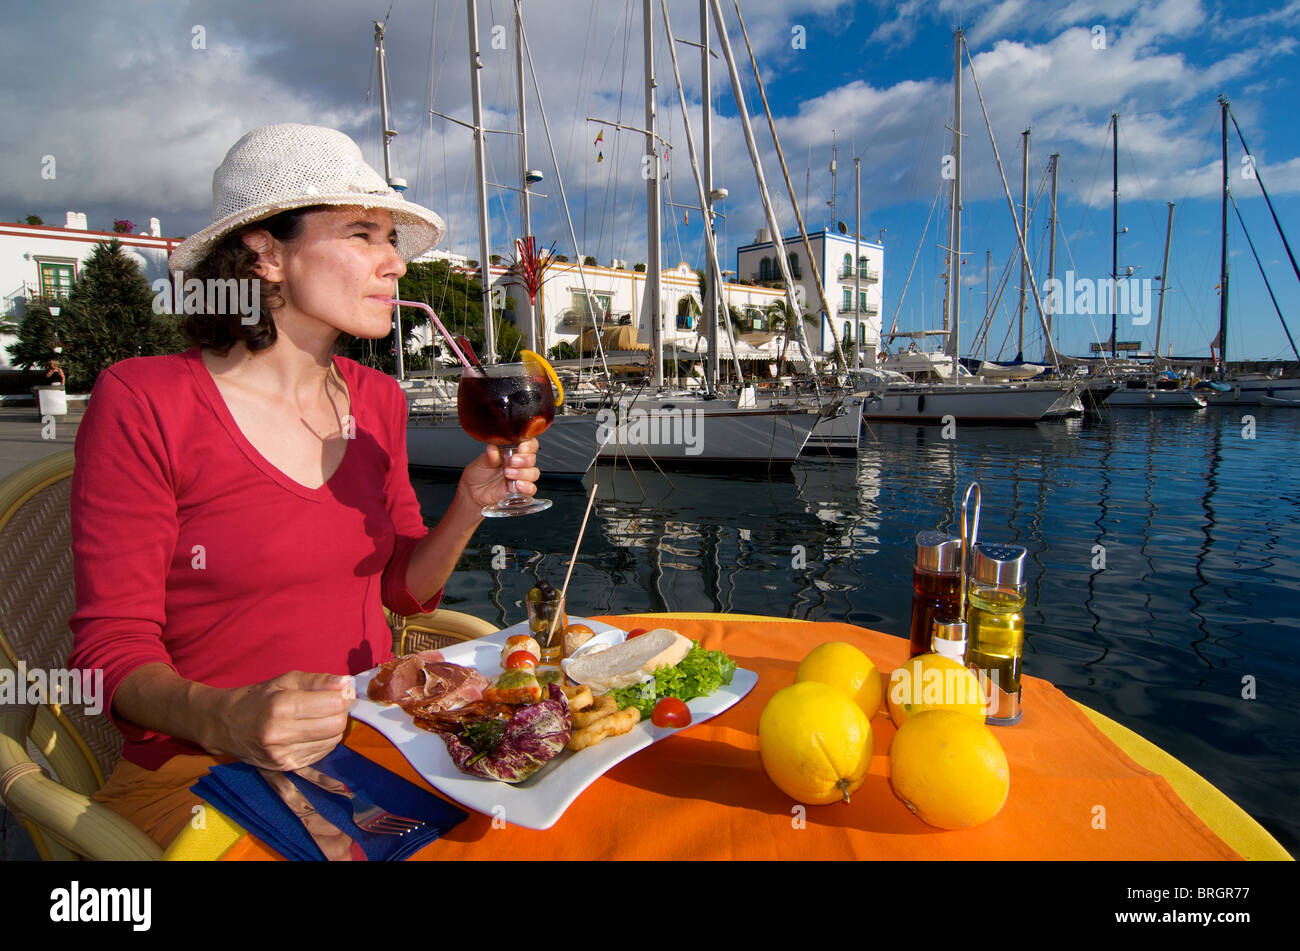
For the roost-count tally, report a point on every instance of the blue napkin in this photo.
(242, 794)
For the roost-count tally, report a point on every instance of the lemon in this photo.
(815, 743)
(536, 362)
(934, 682)
(848, 670)
(948, 769)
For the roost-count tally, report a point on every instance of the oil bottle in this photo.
(936, 586)
(996, 618)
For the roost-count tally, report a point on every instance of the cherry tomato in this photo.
(671, 712)
(521, 659)
(635, 632)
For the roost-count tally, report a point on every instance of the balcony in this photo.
(869, 274)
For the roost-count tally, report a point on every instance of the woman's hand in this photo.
(285, 723)
(484, 483)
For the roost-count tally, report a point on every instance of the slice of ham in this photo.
(446, 687)
(403, 677)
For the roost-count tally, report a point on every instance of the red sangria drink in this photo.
(503, 405)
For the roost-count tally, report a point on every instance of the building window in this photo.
(862, 302)
(847, 270)
(862, 331)
(848, 333)
(765, 269)
(56, 280)
(862, 266)
(794, 265)
(686, 308)
(848, 299)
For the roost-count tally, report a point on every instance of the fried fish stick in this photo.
(601, 708)
(616, 724)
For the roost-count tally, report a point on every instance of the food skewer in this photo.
(550, 635)
(968, 541)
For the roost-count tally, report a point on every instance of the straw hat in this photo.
(277, 168)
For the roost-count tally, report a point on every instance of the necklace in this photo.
(338, 417)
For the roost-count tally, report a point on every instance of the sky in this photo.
(137, 103)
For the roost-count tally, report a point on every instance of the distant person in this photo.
(242, 512)
(55, 369)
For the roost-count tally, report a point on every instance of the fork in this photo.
(369, 817)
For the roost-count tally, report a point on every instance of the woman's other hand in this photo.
(485, 483)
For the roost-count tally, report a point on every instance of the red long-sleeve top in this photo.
(190, 549)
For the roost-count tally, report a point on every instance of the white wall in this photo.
(24, 247)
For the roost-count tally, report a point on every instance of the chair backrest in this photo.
(36, 601)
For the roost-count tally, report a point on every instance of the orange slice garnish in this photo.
(536, 362)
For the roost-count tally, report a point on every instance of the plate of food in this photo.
(488, 728)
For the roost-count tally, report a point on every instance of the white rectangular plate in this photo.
(540, 800)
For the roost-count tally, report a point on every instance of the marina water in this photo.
(1163, 570)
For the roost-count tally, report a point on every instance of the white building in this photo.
(44, 261)
(856, 322)
(606, 298)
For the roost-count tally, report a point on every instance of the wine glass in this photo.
(503, 405)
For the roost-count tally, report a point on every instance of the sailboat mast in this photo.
(651, 171)
(1223, 254)
(1164, 281)
(954, 267)
(857, 263)
(386, 136)
(1114, 234)
(1048, 354)
(525, 197)
(1024, 229)
(711, 289)
(480, 166)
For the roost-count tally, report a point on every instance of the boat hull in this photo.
(686, 432)
(1155, 399)
(1252, 392)
(991, 405)
(566, 450)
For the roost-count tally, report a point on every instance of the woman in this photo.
(242, 511)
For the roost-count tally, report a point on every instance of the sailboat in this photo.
(892, 396)
(1248, 389)
(686, 428)
(435, 440)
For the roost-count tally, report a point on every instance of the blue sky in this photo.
(139, 113)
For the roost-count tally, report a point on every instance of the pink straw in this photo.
(469, 367)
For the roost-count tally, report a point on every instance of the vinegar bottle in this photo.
(936, 586)
(996, 617)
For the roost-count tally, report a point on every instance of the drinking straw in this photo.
(550, 635)
(451, 342)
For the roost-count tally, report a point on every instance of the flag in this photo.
(600, 157)
(600, 138)
(686, 217)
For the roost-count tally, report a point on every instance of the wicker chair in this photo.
(442, 628)
(78, 750)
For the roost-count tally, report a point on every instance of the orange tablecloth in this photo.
(703, 794)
